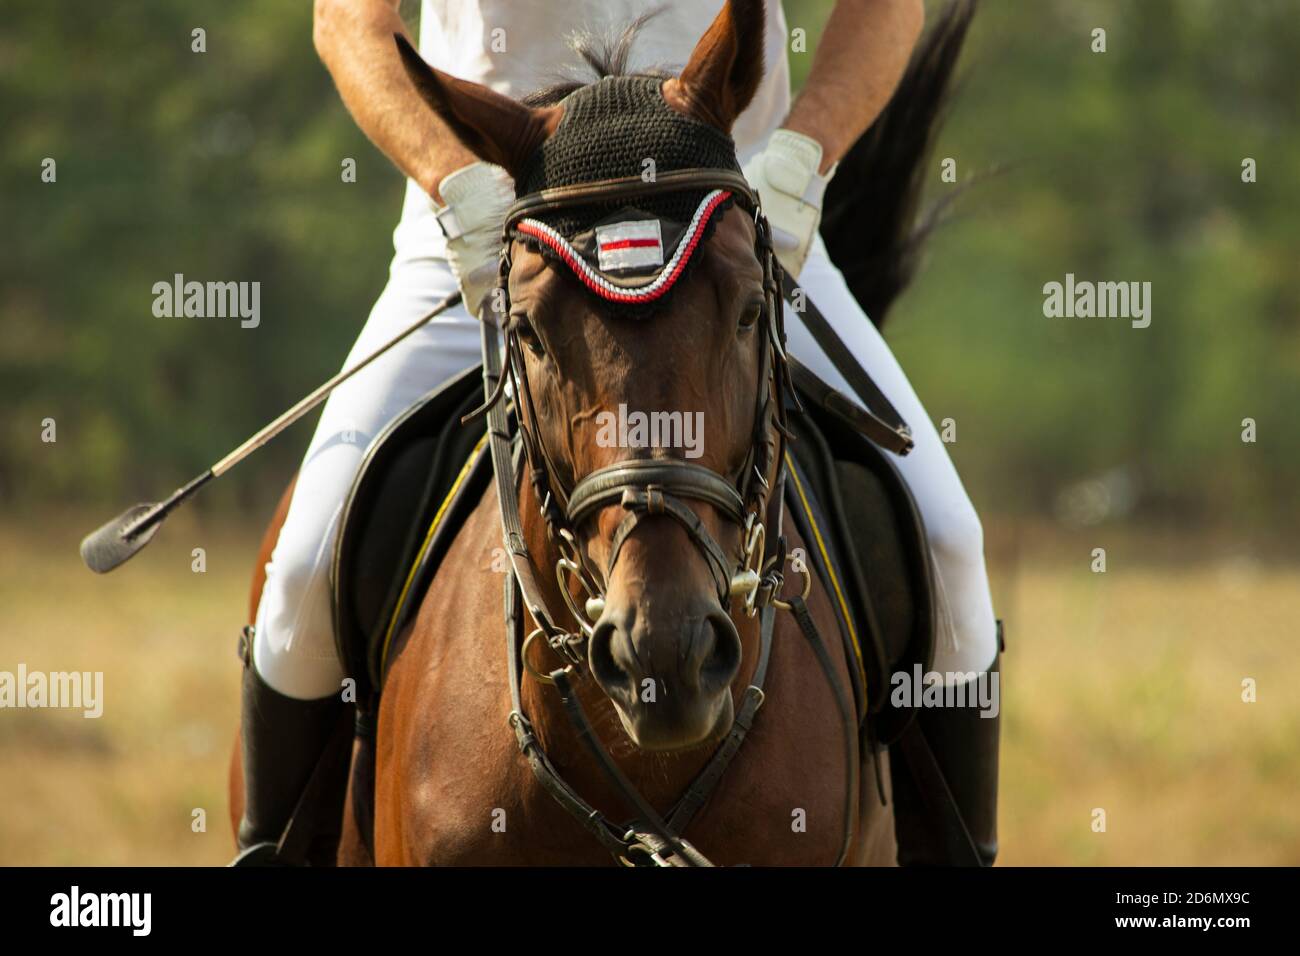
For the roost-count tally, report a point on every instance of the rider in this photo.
(448, 237)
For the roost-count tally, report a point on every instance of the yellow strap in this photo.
(424, 547)
(830, 570)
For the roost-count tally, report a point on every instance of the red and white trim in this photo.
(652, 289)
(636, 244)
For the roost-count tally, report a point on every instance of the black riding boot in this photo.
(945, 781)
(285, 742)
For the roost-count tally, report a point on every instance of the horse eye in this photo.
(523, 328)
(749, 318)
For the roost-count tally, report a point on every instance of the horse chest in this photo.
(478, 802)
(453, 789)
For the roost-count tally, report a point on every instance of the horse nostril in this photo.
(723, 660)
(600, 656)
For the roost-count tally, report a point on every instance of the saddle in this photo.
(425, 473)
(419, 480)
(867, 544)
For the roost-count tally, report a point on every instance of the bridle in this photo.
(643, 488)
(652, 487)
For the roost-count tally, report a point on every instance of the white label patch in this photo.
(629, 245)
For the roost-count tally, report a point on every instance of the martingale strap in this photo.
(848, 718)
(648, 840)
(704, 784)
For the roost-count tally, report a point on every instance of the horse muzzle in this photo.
(667, 665)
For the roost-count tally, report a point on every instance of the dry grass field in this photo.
(1122, 691)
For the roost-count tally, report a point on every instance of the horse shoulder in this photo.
(783, 800)
(443, 743)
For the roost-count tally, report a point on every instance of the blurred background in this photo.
(1123, 689)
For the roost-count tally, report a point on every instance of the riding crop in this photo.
(117, 541)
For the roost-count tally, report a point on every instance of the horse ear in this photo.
(494, 127)
(725, 68)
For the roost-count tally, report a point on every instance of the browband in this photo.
(650, 288)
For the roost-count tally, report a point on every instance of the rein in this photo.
(643, 488)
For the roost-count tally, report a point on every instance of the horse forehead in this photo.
(731, 249)
(529, 276)
(728, 263)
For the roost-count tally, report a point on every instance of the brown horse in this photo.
(449, 783)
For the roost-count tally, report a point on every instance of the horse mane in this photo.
(870, 223)
(607, 53)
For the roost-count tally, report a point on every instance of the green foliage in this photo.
(1123, 165)
(224, 165)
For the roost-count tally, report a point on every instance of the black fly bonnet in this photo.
(629, 251)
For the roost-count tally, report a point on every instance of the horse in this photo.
(629, 699)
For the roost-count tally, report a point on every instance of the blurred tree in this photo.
(1124, 166)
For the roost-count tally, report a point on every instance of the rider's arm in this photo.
(860, 59)
(355, 40)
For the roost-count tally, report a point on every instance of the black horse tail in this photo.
(871, 223)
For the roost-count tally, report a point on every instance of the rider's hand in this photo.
(476, 198)
(790, 189)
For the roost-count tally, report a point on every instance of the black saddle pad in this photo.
(866, 540)
(420, 478)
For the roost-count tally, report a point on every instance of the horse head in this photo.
(610, 385)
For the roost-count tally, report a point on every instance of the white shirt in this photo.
(461, 37)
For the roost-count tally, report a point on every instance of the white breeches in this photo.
(294, 646)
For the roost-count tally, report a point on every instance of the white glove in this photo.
(476, 197)
(790, 189)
